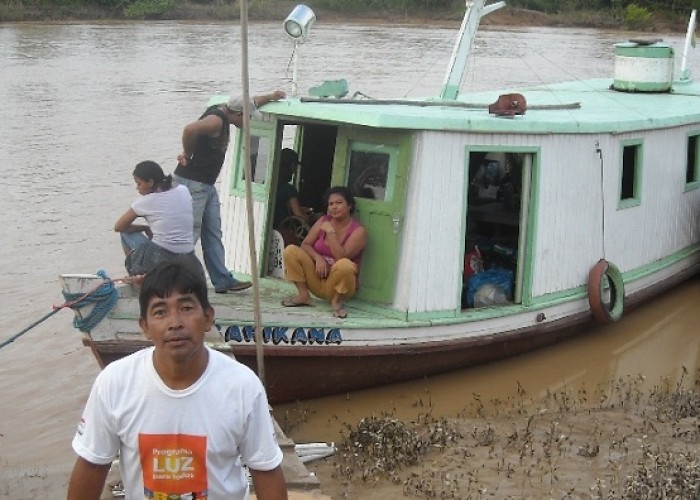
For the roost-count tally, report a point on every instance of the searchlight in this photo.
(297, 26)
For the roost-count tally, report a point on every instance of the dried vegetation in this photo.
(620, 443)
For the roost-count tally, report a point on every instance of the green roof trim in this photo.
(653, 51)
(589, 106)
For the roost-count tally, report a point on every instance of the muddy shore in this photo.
(618, 444)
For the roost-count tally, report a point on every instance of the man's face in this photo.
(236, 118)
(177, 325)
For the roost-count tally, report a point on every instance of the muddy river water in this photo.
(81, 104)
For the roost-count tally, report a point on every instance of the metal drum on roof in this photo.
(643, 66)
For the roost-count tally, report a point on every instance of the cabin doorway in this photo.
(315, 147)
(316, 153)
(374, 166)
(496, 221)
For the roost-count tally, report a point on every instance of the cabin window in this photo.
(630, 183)
(371, 171)
(260, 158)
(692, 175)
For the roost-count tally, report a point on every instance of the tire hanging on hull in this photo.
(606, 312)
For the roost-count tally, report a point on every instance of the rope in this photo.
(15, 337)
(104, 296)
(105, 293)
(425, 104)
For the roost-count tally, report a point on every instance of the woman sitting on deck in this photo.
(328, 262)
(168, 211)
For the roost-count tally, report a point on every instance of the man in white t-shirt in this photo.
(182, 418)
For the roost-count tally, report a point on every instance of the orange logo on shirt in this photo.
(174, 466)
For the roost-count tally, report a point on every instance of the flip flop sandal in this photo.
(290, 302)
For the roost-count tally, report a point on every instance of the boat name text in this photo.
(284, 334)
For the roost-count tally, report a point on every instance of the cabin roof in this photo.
(601, 110)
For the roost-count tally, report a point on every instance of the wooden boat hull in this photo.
(300, 373)
(304, 371)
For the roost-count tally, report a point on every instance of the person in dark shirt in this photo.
(287, 199)
(204, 144)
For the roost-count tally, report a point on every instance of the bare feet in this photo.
(337, 306)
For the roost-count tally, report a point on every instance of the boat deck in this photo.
(240, 306)
(237, 309)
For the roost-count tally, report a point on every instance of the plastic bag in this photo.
(498, 276)
(489, 294)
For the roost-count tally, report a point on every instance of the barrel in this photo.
(643, 67)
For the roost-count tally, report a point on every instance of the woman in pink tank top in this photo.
(328, 262)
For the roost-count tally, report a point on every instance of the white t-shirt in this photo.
(169, 215)
(189, 441)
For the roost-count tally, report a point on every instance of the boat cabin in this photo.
(539, 195)
(410, 188)
(458, 192)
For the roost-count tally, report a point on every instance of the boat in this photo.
(498, 221)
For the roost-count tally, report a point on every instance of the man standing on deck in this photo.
(204, 144)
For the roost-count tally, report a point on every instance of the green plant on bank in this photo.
(389, 5)
(638, 18)
(560, 6)
(148, 8)
(603, 14)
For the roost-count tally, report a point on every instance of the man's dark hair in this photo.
(289, 160)
(175, 275)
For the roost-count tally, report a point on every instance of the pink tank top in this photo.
(323, 249)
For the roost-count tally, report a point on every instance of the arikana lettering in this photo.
(286, 335)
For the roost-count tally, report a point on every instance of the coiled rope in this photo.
(104, 295)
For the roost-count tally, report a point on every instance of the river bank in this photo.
(622, 444)
(266, 10)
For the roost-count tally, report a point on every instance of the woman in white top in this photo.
(168, 211)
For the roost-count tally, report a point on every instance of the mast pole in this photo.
(456, 70)
(689, 42)
(245, 82)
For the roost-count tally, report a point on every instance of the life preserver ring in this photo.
(610, 310)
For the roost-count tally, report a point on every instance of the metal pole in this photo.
(689, 42)
(295, 89)
(249, 192)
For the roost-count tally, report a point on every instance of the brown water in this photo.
(80, 105)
